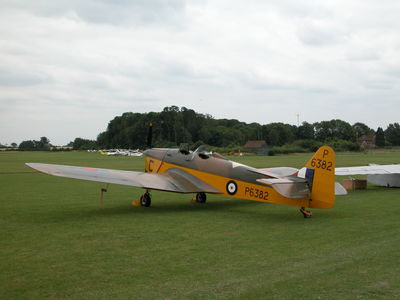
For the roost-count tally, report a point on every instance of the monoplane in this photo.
(202, 172)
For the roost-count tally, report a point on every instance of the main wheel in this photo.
(201, 197)
(145, 200)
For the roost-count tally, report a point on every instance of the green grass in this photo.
(57, 243)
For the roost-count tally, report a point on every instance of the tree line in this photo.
(173, 126)
(42, 145)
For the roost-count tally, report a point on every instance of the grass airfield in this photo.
(58, 243)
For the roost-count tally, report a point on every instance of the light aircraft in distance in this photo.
(118, 152)
(382, 175)
(201, 172)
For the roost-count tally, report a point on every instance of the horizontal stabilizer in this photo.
(290, 187)
(278, 172)
(339, 189)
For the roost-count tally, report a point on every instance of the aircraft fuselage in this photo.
(230, 178)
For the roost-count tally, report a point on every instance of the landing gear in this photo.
(102, 191)
(306, 213)
(145, 199)
(201, 197)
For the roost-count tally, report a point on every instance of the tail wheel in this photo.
(306, 213)
(201, 197)
(145, 199)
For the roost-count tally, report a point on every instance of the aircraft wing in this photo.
(174, 180)
(368, 170)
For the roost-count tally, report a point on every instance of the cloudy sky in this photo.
(67, 67)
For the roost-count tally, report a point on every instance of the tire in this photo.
(145, 200)
(201, 198)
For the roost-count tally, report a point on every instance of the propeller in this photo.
(150, 136)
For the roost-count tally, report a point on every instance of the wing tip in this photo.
(33, 165)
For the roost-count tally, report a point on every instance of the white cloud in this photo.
(68, 67)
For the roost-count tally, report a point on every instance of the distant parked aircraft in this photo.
(116, 152)
(382, 175)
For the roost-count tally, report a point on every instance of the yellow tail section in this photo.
(320, 171)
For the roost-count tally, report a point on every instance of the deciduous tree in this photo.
(392, 134)
(380, 138)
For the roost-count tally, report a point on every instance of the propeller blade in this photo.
(150, 136)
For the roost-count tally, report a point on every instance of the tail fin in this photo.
(320, 172)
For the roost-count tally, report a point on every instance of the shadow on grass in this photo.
(245, 211)
(165, 208)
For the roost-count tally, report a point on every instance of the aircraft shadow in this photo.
(232, 208)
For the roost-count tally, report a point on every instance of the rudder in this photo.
(320, 172)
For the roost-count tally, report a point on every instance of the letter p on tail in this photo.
(320, 172)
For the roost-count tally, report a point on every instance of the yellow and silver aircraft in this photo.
(201, 172)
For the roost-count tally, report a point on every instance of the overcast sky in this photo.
(67, 67)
